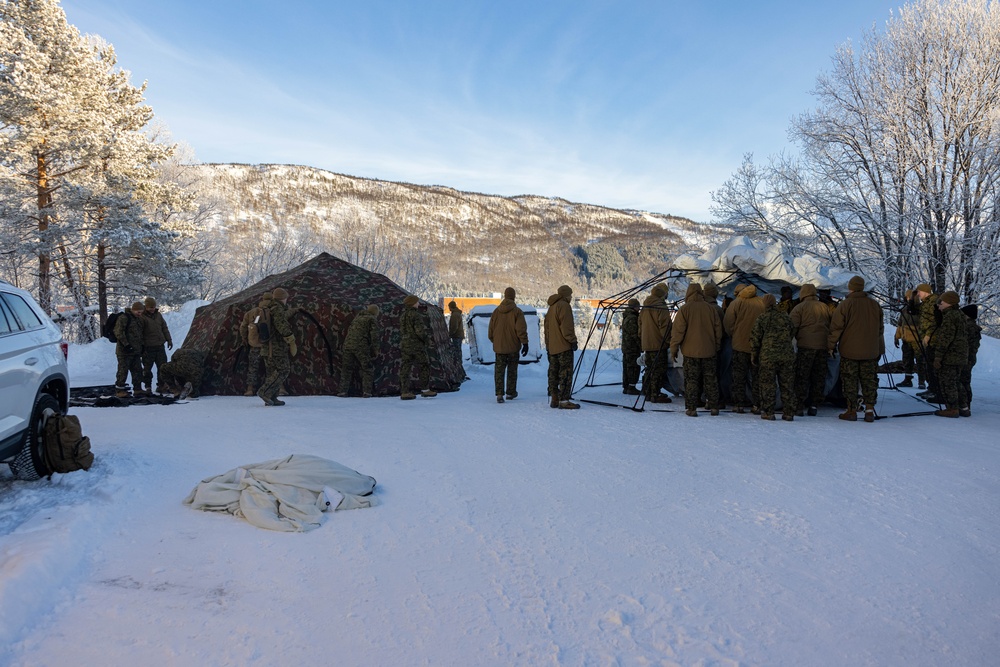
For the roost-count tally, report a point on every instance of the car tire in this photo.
(29, 464)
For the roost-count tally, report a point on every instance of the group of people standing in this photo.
(360, 349)
(141, 334)
(786, 344)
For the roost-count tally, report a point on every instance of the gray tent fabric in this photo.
(288, 494)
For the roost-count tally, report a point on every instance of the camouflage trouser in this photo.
(953, 390)
(152, 355)
(810, 377)
(174, 374)
(630, 369)
(770, 375)
(561, 375)
(360, 361)
(742, 372)
(456, 346)
(853, 373)
(700, 375)
(967, 382)
(656, 370)
(253, 371)
(128, 363)
(506, 365)
(909, 357)
(930, 371)
(413, 357)
(276, 367)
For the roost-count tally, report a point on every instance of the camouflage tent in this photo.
(325, 294)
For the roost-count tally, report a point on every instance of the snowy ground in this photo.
(516, 535)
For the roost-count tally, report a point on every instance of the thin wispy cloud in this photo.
(640, 105)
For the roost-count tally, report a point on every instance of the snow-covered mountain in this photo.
(478, 242)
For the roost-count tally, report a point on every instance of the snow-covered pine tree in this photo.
(77, 167)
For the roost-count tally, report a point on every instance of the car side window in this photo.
(7, 323)
(23, 313)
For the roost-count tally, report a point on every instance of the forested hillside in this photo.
(458, 242)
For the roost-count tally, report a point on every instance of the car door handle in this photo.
(31, 361)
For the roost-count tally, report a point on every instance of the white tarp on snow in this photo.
(288, 494)
(477, 327)
(770, 263)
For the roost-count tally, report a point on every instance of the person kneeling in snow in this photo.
(185, 366)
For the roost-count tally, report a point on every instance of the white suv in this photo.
(33, 376)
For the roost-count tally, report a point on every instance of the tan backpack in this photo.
(65, 447)
(259, 329)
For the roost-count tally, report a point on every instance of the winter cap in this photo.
(711, 291)
(411, 301)
(924, 287)
(693, 288)
(971, 311)
(950, 297)
(856, 284)
(373, 309)
(768, 300)
(807, 290)
(137, 305)
(565, 291)
(266, 296)
(279, 294)
(657, 291)
(663, 286)
(150, 302)
(452, 305)
(509, 293)
(633, 303)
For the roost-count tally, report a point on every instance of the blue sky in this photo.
(646, 105)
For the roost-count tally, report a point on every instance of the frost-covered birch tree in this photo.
(899, 168)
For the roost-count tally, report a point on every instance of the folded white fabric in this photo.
(287, 494)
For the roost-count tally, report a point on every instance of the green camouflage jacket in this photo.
(771, 337)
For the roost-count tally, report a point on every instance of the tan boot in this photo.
(869, 413)
(250, 391)
(849, 415)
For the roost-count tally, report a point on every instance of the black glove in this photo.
(896, 341)
(524, 350)
(575, 347)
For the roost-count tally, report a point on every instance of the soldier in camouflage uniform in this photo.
(738, 322)
(508, 331)
(456, 329)
(360, 348)
(787, 303)
(811, 327)
(771, 351)
(631, 348)
(974, 333)
(130, 333)
(560, 343)
(697, 334)
(951, 355)
(857, 329)
(277, 350)
(654, 333)
(253, 351)
(185, 365)
(906, 340)
(414, 344)
(927, 324)
(156, 334)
